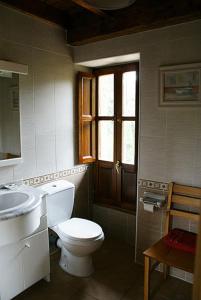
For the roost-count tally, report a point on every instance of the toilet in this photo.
(78, 238)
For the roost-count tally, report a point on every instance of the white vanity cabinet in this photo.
(23, 263)
(11, 282)
(35, 258)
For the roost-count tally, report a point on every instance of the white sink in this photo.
(11, 201)
(20, 212)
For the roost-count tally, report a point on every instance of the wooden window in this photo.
(116, 125)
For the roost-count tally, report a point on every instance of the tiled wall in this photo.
(46, 94)
(47, 106)
(169, 138)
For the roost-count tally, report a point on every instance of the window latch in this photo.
(117, 166)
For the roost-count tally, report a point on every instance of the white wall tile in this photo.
(45, 154)
(197, 177)
(64, 153)
(28, 168)
(63, 99)
(180, 159)
(198, 154)
(44, 105)
(153, 120)
(181, 124)
(6, 174)
(152, 158)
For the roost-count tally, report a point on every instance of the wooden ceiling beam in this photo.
(142, 16)
(90, 8)
(40, 9)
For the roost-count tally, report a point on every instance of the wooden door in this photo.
(117, 127)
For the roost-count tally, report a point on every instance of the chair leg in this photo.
(165, 271)
(146, 277)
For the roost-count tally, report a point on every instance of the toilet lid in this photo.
(80, 229)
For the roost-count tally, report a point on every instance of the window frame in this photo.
(118, 78)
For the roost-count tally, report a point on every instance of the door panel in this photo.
(11, 282)
(36, 258)
(129, 189)
(105, 182)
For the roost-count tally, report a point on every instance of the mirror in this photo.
(9, 116)
(10, 141)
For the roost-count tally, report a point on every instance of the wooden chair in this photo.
(187, 197)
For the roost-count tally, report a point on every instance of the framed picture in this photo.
(180, 85)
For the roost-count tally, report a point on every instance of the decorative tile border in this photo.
(143, 183)
(55, 176)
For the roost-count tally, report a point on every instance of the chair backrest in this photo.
(186, 196)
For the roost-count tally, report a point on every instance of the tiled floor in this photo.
(116, 278)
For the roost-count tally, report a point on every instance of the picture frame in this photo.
(180, 85)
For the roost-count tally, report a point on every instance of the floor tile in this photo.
(116, 277)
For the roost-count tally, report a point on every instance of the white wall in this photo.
(46, 94)
(169, 139)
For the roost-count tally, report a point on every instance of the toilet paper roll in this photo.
(149, 207)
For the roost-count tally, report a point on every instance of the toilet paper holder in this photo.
(157, 200)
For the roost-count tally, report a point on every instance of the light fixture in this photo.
(110, 4)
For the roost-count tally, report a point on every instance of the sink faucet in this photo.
(4, 187)
(11, 185)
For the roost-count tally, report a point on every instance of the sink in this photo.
(20, 212)
(11, 201)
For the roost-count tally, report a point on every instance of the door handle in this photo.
(117, 166)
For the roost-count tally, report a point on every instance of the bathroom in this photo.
(169, 146)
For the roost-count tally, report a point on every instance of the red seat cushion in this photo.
(181, 239)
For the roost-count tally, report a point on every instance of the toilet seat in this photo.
(78, 229)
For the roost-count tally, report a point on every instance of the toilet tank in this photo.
(59, 201)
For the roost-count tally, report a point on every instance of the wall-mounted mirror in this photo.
(10, 140)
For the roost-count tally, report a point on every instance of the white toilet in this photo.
(79, 238)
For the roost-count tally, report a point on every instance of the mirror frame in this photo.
(20, 69)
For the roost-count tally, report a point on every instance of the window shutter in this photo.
(87, 116)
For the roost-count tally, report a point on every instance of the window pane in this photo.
(128, 142)
(129, 93)
(106, 95)
(105, 140)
